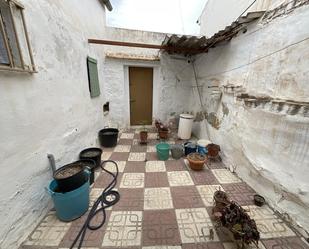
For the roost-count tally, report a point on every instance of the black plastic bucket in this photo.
(108, 137)
(92, 154)
(70, 176)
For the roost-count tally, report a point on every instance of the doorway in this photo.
(141, 91)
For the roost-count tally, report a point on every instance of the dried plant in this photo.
(232, 216)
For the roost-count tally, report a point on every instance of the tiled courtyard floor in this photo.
(163, 205)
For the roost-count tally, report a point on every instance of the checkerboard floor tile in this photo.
(112, 168)
(137, 156)
(135, 167)
(186, 197)
(155, 166)
(179, 178)
(203, 177)
(151, 148)
(240, 192)
(127, 136)
(160, 228)
(49, 233)
(92, 238)
(225, 176)
(285, 243)
(138, 148)
(194, 225)
(122, 148)
(152, 135)
(132, 180)
(151, 156)
(157, 198)
(163, 205)
(124, 229)
(106, 155)
(207, 193)
(175, 165)
(130, 199)
(119, 156)
(156, 179)
(269, 225)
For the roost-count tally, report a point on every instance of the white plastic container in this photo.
(201, 146)
(185, 126)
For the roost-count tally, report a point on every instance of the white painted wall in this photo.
(47, 112)
(268, 147)
(52, 112)
(170, 76)
(217, 15)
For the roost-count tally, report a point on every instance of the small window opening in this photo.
(106, 107)
(15, 49)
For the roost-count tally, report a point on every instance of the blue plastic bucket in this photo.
(70, 205)
(189, 148)
(163, 151)
(202, 146)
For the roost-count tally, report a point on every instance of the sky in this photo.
(167, 16)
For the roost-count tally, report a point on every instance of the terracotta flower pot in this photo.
(213, 150)
(143, 135)
(163, 134)
(196, 161)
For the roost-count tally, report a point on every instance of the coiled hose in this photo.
(108, 193)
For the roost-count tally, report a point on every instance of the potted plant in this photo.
(163, 129)
(143, 134)
(196, 160)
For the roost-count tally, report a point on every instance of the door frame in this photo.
(155, 86)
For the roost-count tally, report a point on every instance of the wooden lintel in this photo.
(126, 44)
(143, 45)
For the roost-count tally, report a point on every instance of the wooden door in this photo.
(140, 81)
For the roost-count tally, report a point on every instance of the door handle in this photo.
(132, 100)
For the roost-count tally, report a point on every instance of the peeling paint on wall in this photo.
(265, 136)
(47, 112)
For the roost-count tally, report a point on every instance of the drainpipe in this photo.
(200, 97)
(52, 163)
(108, 4)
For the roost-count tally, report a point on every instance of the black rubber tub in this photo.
(108, 137)
(92, 154)
(70, 176)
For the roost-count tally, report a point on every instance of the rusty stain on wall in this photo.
(225, 109)
(213, 120)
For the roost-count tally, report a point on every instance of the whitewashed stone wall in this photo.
(265, 142)
(172, 76)
(47, 112)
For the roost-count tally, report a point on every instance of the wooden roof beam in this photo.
(143, 45)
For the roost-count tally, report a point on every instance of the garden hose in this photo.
(108, 193)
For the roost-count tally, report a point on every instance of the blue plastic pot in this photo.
(189, 148)
(70, 205)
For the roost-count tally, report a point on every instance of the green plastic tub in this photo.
(163, 151)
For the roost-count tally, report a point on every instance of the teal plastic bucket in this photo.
(163, 151)
(70, 205)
